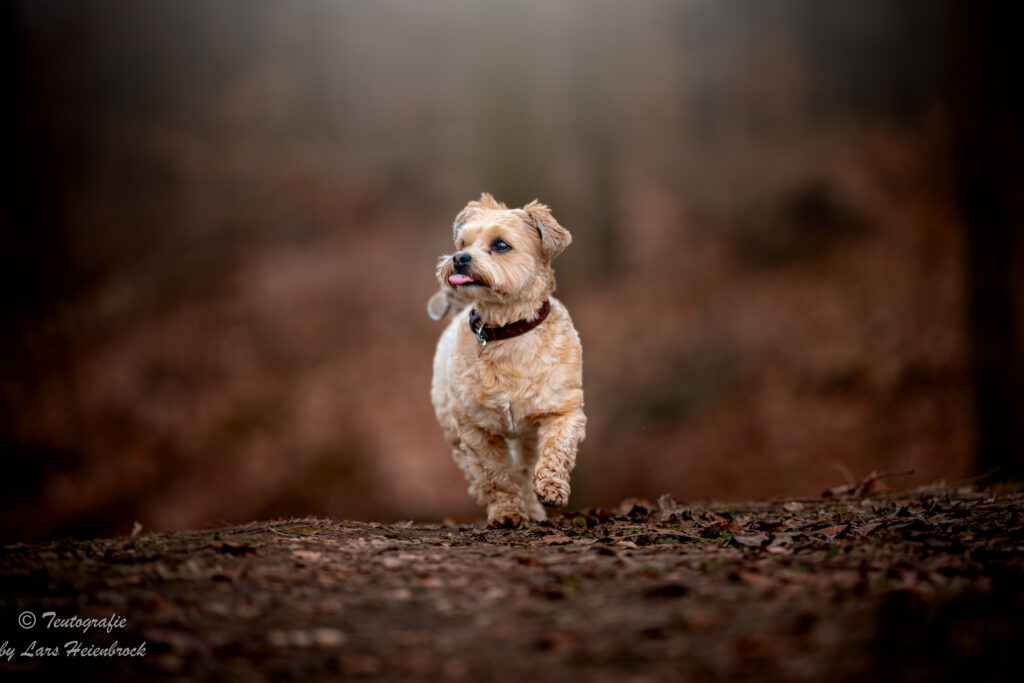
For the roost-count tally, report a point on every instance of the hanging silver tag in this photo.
(481, 338)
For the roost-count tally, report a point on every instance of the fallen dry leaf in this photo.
(874, 483)
(719, 528)
(757, 580)
(233, 548)
(669, 508)
(865, 529)
(308, 555)
(392, 562)
(832, 531)
(555, 540)
(430, 581)
(702, 618)
(319, 637)
(633, 507)
(751, 540)
(232, 575)
(715, 519)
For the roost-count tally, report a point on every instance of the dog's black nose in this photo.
(462, 258)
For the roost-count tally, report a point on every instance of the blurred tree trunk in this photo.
(987, 102)
(592, 114)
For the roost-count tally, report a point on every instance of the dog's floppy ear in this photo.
(553, 237)
(461, 219)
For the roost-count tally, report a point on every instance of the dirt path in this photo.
(919, 587)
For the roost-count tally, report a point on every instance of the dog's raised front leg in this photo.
(560, 437)
(496, 477)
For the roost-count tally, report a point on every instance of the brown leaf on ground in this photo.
(757, 580)
(669, 509)
(634, 507)
(751, 540)
(842, 596)
(308, 555)
(554, 540)
(703, 618)
(232, 575)
(713, 517)
(832, 531)
(872, 484)
(865, 529)
(314, 637)
(717, 529)
(233, 548)
(597, 515)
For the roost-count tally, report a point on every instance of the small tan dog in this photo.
(508, 372)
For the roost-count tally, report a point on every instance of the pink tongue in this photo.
(459, 279)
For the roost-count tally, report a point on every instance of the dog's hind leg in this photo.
(471, 469)
(497, 482)
(524, 450)
(560, 437)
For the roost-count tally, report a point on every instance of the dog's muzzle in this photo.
(461, 274)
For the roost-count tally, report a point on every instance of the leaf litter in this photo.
(858, 583)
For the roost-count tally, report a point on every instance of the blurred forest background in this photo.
(795, 253)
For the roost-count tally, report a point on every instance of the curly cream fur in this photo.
(514, 414)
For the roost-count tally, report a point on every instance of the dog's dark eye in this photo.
(500, 246)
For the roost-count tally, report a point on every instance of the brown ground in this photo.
(923, 586)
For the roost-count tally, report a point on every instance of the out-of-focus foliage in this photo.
(224, 217)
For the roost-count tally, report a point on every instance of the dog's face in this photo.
(503, 255)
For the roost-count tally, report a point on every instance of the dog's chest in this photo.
(504, 402)
(508, 391)
(497, 417)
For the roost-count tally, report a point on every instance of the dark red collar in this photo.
(485, 334)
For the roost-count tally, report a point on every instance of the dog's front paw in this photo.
(551, 490)
(506, 517)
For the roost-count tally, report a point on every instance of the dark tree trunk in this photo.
(989, 173)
